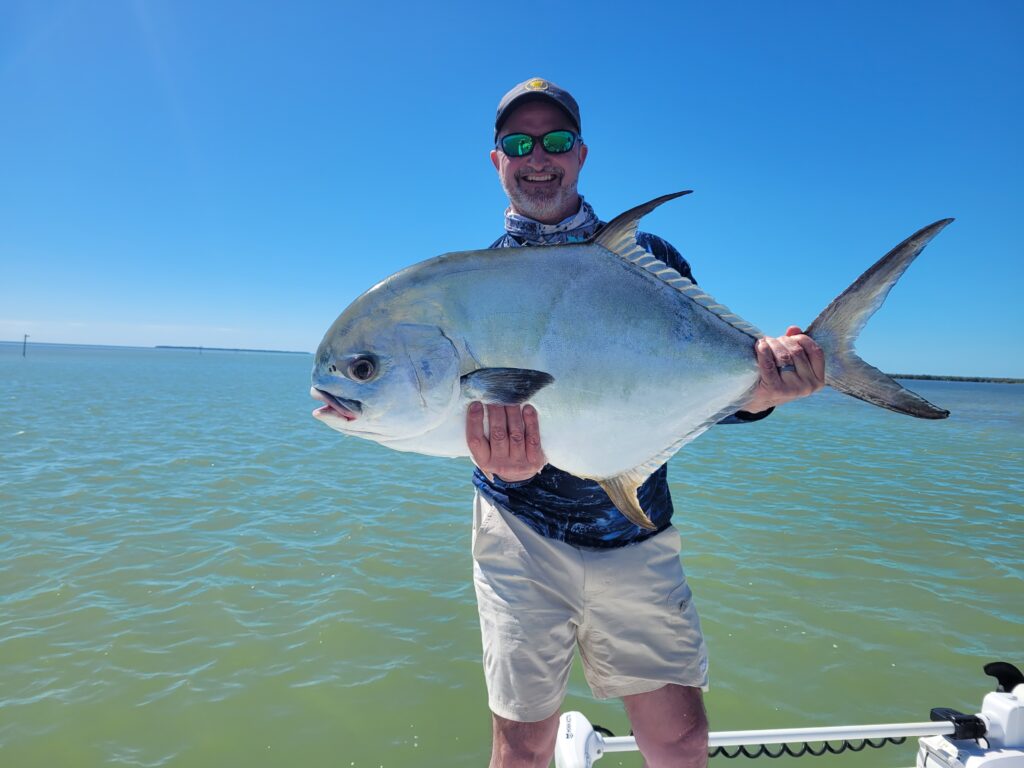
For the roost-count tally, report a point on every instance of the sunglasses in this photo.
(554, 142)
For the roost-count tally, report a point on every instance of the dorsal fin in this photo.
(619, 237)
(619, 234)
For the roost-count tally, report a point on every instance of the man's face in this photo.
(540, 185)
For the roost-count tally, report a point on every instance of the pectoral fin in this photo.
(622, 489)
(507, 386)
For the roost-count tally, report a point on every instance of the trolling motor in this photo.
(1001, 725)
(951, 739)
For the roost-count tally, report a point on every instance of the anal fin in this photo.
(622, 489)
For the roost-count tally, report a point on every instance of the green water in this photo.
(195, 573)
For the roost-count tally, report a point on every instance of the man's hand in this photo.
(512, 449)
(791, 366)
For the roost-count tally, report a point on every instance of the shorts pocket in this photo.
(493, 538)
(680, 598)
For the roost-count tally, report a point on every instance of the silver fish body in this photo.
(624, 359)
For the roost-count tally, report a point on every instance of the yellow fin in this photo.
(622, 489)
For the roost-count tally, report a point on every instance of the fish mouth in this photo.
(347, 409)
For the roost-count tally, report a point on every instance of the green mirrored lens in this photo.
(558, 142)
(517, 145)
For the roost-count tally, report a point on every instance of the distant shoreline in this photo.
(975, 379)
(232, 349)
(157, 346)
(918, 376)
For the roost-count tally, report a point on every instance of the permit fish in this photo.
(625, 360)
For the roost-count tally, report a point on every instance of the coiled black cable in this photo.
(806, 748)
(803, 749)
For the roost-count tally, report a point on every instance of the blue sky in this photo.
(235, 173)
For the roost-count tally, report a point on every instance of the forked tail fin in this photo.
(836, 329)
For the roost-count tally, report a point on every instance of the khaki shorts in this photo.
(629, 610)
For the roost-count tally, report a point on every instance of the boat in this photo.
(992, 738)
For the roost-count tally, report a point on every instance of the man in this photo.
(556, 566)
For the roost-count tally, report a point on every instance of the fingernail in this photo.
(476, 407)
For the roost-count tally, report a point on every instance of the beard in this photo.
(548, 203)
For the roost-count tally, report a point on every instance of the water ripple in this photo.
(186, 585)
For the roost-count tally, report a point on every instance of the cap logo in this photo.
(537, 85)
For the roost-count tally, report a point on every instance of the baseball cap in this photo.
(536, 89)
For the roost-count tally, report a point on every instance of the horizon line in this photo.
(198, 348)
(156, 346)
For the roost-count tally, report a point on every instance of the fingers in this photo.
(479, 447)
(510, 447)
(799, 354)
(815, 358)
(807, 359)
(534, 453)
(795, 356)
(498, 438)
(814, 353)
(767, 365)
(516, 434)
(781, 350)
(790, 367)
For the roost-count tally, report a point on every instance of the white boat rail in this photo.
(795, 735)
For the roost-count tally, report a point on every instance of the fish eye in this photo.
(362, 368)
